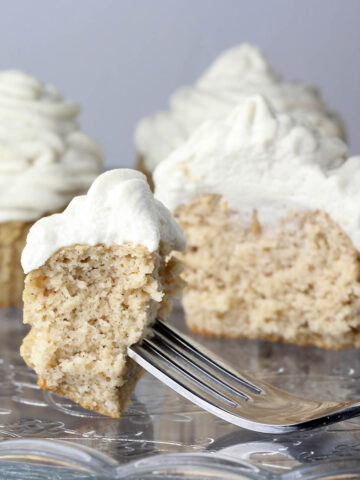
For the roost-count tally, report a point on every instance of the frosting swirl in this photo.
(236, 74)
(258, 159)
(45, 160)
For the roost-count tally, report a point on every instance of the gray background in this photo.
(121, 59)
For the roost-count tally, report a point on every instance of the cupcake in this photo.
(45, 160)
(271, 213)
(98, 275)
(237, 73)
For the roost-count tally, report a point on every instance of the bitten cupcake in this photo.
(271, 214)
(99, 274)
(237, 73)
(45, 160)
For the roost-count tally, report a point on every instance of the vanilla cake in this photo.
(271, 212)
(238, 72)
(45, 161)
(98, 275)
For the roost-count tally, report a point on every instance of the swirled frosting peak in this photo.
(45, 160)
(258, 159)
(236, 74)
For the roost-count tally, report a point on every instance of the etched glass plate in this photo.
(162, 435)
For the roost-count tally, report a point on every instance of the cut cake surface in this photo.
(86, 305)
(298, 282)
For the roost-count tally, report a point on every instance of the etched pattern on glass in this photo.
(158, 421)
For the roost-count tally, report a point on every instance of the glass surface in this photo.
(162, 435)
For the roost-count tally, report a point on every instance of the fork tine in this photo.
(187, 373)
(200, 356)
(176, 377)
(173, 352)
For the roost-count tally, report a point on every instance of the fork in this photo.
(206, 380)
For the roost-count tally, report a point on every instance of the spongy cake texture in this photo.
(298, 281)
(86, 305)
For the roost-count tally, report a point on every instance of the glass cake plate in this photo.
(162, 435)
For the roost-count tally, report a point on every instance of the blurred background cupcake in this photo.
(238, 72)
(45, 160)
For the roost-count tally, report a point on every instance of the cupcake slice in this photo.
(271, 212)
(98, 275)
(45, 160)
(235, 74)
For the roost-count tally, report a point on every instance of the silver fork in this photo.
(206, 380)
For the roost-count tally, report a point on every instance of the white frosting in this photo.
(45, 160)
(237, 73)
(118, 208)
(257, 159)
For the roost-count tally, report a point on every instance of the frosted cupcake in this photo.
(45, 160)
(237, 73)
(271, 213)
(98, 275)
